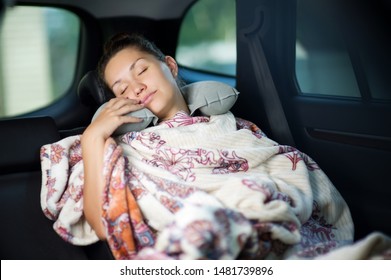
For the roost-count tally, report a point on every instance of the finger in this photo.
(116, 103)
(131, 119)
(122, 106)
(128, 108)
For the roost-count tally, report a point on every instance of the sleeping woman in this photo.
(189, 186)
(140, 76)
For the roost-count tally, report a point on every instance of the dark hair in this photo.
(122, 41)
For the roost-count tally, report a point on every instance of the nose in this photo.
(137, 88)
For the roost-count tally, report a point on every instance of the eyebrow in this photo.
(131, 67)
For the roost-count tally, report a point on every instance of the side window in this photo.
(339, 53)
(207, 39)
(323, 65)
(38, 55)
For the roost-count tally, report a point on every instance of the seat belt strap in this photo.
(266, 87)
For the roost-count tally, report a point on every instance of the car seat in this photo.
(25, 232)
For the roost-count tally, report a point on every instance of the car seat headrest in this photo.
(92, 91)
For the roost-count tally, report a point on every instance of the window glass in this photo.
(207, 39)
(323, 64)
(342, 49)
(37, 57)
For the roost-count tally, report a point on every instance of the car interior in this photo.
(311, 74)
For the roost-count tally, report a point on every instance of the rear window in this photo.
(207, 39)
(38, 57)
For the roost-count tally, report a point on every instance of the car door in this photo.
(315, 74)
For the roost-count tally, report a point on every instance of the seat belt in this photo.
(266, 87)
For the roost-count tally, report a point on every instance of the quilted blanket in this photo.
(200, 188)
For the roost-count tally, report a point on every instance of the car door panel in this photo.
(350, 138)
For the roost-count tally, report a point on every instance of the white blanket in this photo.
(205, 188)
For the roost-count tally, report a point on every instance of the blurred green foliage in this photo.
(209, 20)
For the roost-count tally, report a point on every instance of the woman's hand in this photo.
(112, 116)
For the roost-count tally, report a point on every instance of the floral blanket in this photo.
(200, 188)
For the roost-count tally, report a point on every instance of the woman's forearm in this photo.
(93, 152)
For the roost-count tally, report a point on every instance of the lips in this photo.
(147, 98)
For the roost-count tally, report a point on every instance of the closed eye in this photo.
(120, 91)
(123, 91)
(143, 70)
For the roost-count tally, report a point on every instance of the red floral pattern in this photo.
(199, 230)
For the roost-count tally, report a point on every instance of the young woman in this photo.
(140, 76)
(215, 188)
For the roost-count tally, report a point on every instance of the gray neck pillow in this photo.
(208, 97)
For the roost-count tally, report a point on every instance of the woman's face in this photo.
(138, 75)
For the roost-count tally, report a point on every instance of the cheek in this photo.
(167, 74)
(161, 101)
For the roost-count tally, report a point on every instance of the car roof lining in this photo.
(154, 9)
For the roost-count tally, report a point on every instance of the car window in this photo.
(37, 57)
(207, 39)
(336, 52)
(323, 64)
